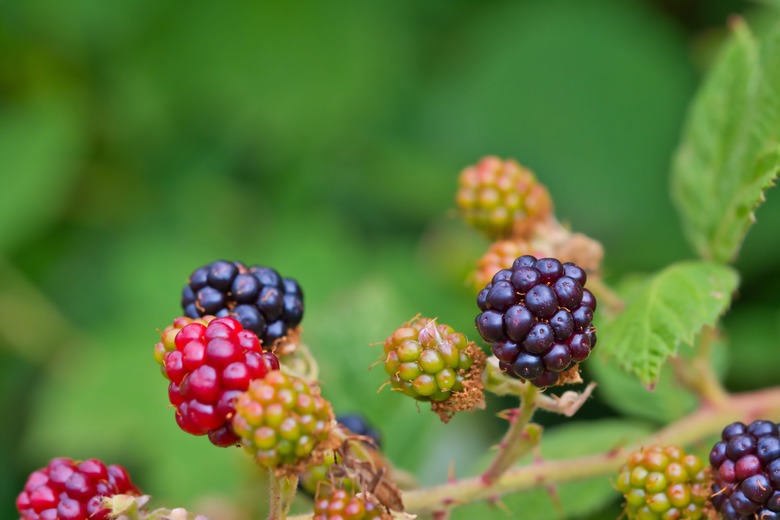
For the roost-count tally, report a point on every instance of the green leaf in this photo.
(730, 150)
(668, 309)
(573, 499)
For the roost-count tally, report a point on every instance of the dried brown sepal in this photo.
(288, 344)
(472, 397)
(570, 377)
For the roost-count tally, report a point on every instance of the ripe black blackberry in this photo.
(258, 297)
(537, 317)
(746, 471)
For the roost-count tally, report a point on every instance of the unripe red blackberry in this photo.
(537, 317)
(746, 471)
(430, 362)
(167, 341)
(282, 421)
(495, 195)
(339, 504)
(258, 297)
(664, 483)
(209, 366)
(68, 489)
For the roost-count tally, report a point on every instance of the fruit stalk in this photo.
(282, 493)
(520, 438)
(707, 421)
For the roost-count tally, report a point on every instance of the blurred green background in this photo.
(142, 139)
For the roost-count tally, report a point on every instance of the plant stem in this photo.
(697, 374)
(519, 438)
(282, 493)
(707, 421)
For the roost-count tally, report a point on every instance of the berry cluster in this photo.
(209, 364)
(663, 483)
(746, 464)
(495, 195)
(282, 420)
(72, 490)
(427, 361)
(258, 297)
(537, 317)
(339, 504)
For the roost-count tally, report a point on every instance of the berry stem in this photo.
(706, 422)
(519, 439)
(282, 493)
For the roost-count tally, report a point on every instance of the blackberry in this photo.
(338, 504)
(68, 489)
(258, 297)
(496, 196)
(500, 256)
(537, 317)
(746, 469)
(429, 362)
(663, 483)
(282, 420)
(209, 363)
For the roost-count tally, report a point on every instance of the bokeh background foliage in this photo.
(141, 139)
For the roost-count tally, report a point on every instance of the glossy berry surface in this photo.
(258, 297)
(427, 361)
(494, 195)
(209, 364)
(746, 471)
(68, 489)
(537, 315)
(282, 420)
(500, 256)
(664, 483)
(339, 504)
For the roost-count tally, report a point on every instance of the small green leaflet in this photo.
(670, 308)
(730, 150)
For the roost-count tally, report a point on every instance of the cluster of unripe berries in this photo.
(537, 317)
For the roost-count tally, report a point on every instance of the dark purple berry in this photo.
(718, 454)
(557, 358)
(746, 466)
(768, 513)
(773, 504)
(761, 428)
(562, 325)
(539, 339)
(267, 276)
(757, 488)
(187, 296)
(199, 278)
(541, 300)
(528, 366)
(568, 291)
(482, 297)
(579, 347)
(773, 472)
(275, 330)
(518, 321)
(768, 448)
(503, 274)
(574, 271)
(733, 429)
(293, 308)
(506, 351)
(290, 286)
(525, 279)
(524, 261)
(501, 296)
(742, 504)
(221, 275)
(740, 445)
(270, 303)
(245, 288)
(588, 299)
(490, 325)
(209, 300)
(583, 316)
(546, 379)
(248, 316)
(550, 269)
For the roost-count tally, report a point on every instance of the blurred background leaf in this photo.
(140, 140)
